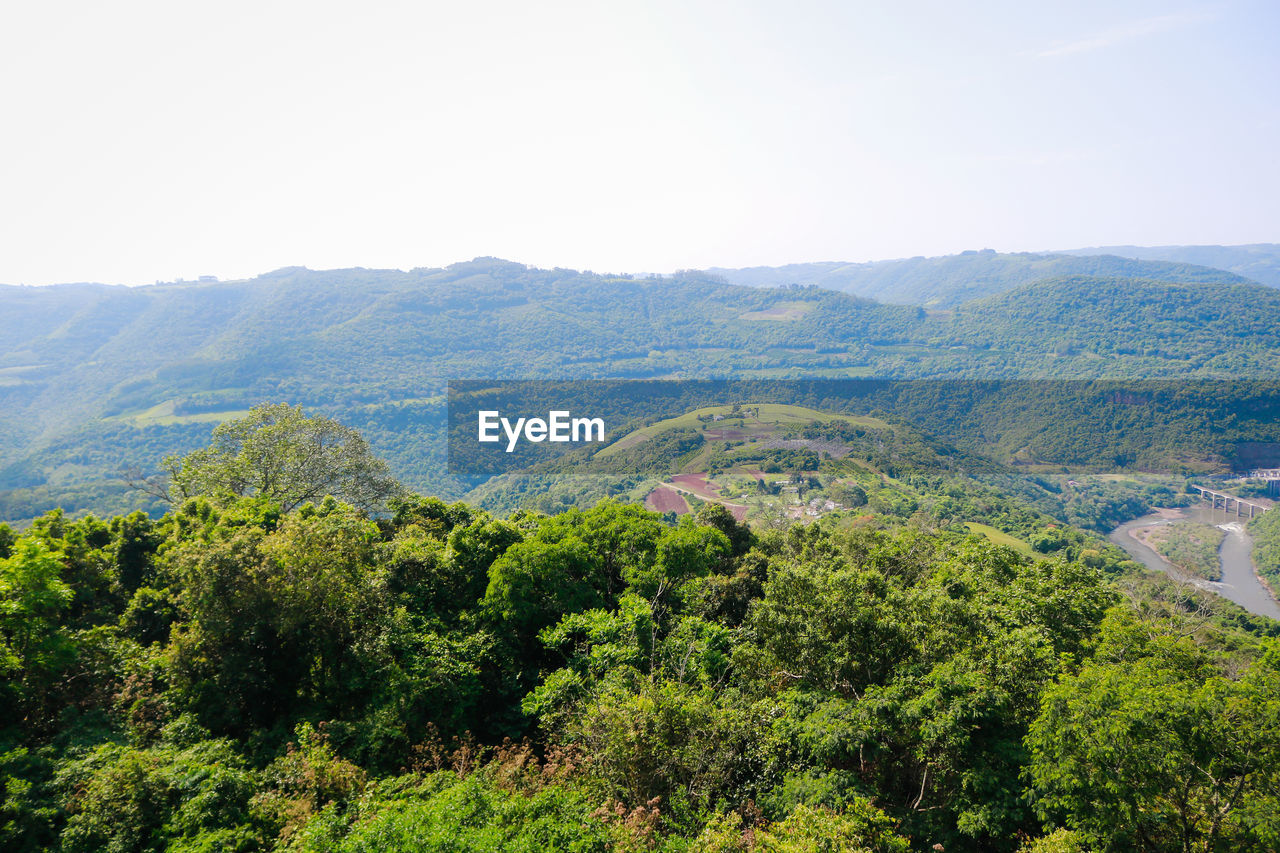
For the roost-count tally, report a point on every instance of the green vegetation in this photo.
(1145, 322)
(1148, 717)
(773, 462)
(235, 676)
(758, 419)
(1102, 502)
(999, 537)
(162, 414)
(1190, 546)
(232, 678)
(946, 282)
(279, 453)
(1257, 261)
(94, 379)
(1265, 530)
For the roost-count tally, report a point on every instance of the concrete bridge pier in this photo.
(1213, 496)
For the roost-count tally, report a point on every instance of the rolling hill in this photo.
(96, 378)
(1257, 261)
(1158, 323)
(769, 462)
(947, 281)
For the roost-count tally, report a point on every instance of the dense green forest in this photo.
(1257, 261)
(951, 280)
(97, 380)
(1113, 318)
(233, 676)
(1265, 530)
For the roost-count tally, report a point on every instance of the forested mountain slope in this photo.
(1258, 261)
(1141, 320)
(949, 280)
(96, 378)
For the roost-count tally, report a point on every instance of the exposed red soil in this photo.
(666, 499)
(697, 484)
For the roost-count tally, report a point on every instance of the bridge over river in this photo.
(1213, 496)
(1239, 582)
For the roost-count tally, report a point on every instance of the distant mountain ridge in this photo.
(950, 280)
(1258, 261)
(96, 378)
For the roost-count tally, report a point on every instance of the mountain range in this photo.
(947, 281)
(97, 378)
(1258, 261)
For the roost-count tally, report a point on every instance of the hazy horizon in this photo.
(152, 142)
(195, 279)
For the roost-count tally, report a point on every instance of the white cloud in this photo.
(1128, 32)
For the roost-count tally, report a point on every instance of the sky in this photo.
(145, 141)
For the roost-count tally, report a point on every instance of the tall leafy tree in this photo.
(281, 453)
(33, 647)
(1152, 748)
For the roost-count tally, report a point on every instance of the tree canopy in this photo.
(233, 677)
(280, 453)
(252, 672)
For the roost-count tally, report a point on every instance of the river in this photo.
(1238, 584)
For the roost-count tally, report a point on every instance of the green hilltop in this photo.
(770, 464)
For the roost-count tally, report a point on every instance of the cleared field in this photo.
(666, 499)
(163, 415)
(17, 374)
(700, 487)
(697, 485)
(999, 537)
(783, 312)
(852, 371)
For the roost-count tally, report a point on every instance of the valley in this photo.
(1229, 570)
(154, 369)
(772, 478)
(824, 559)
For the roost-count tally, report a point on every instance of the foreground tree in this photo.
(1150, 747)
(280, 453)
(33, 647)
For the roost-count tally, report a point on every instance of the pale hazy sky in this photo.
(158, 140)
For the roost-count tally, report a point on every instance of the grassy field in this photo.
(999, 537)
(783, 311)
(163, 414)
